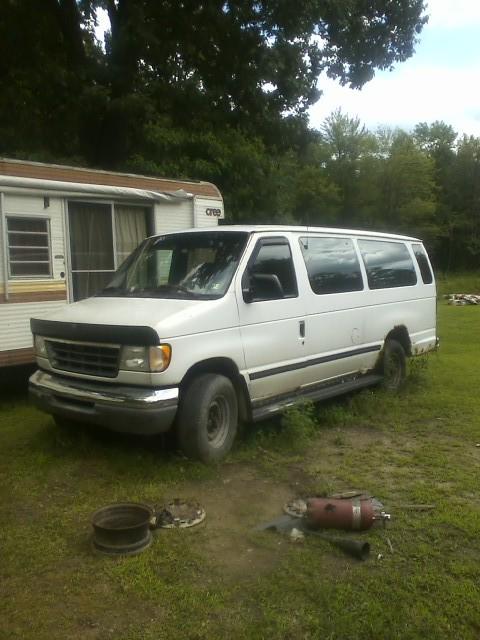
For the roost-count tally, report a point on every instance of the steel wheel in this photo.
(218, 421)
(207, 418)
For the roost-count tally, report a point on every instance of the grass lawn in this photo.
(222, 580)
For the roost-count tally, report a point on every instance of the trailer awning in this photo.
(76, 189)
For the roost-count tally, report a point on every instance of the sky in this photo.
(441, 81)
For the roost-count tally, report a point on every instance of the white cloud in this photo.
(409, 95)
(440, 82)
(453, 14)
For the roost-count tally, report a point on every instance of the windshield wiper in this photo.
(174, 287)
(166, 289)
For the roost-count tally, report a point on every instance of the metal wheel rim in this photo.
(217, 421)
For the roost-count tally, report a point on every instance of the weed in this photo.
(418, 370)
(299, 425)
(339, 440)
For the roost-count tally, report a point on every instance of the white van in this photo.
(201, 328)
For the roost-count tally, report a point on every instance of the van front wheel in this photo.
(207, 418)
(394, 365)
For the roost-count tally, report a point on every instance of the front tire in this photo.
(394, 365)
(208, 418)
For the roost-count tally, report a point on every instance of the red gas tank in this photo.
(328, 513)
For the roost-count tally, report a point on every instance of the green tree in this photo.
(304, 192)
(350, 165)
(437, 140)
(407, 201)
(465, 226)
(242, 63)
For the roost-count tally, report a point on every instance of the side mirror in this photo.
(262, 286)
(247, 292)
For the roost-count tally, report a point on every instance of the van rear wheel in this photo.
(394, 365)
(208, 418)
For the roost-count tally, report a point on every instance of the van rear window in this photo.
(332, 264)
(422, 260)
(388, 264)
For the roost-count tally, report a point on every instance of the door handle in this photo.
(302, 328)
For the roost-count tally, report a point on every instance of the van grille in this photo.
(89, 359)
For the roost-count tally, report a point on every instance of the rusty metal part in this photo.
(327, 513)
(179, 514)
(122, 528)
(296, 508)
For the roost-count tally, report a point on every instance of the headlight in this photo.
(134, 358)
(40, 347)
(149, 359)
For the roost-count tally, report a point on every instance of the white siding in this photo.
(208, 211)
(173, 216)
(15, 204)
(15, 322)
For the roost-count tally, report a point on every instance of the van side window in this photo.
(422, 261)
(271, 274)
(388, 264)
(332, 265)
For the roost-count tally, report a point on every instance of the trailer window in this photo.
(422, 261)
(332, 265)
(388, 264)
(28, 247)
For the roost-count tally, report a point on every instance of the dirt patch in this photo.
(239, 500)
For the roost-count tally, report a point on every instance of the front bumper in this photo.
(126, 409)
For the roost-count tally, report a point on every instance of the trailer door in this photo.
(101, 237)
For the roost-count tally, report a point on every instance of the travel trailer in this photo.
(64, 231)
(200, 329)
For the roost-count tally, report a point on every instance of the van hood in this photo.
(168, 318)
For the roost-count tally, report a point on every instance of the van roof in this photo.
(277, 228)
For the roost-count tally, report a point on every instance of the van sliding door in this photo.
(335, 309)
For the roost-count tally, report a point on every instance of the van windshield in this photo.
(197, 265)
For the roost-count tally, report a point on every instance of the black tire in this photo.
(208, 418)
(394, 365)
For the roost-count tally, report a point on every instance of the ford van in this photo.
(201, 329)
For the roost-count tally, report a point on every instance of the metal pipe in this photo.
(356, 548)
